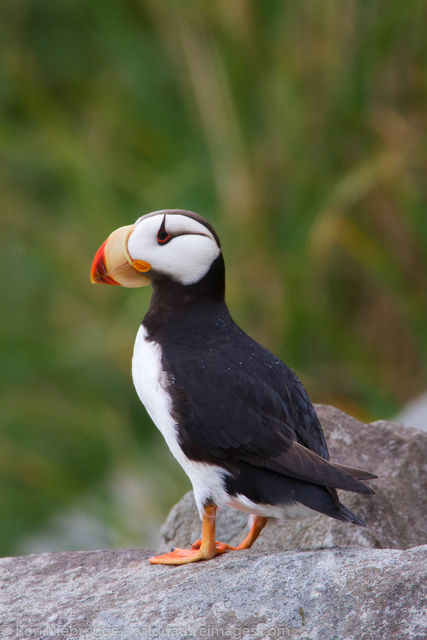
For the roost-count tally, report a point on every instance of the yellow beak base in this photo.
(113, 265)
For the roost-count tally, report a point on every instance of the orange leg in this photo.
(205, 551)
(257, 526)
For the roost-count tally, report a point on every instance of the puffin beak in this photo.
(112, 263)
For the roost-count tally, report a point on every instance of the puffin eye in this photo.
(163, 237)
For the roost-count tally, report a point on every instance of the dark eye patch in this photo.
(163, 237)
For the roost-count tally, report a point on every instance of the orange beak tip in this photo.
(99, 271)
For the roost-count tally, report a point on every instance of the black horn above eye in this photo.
(163, 236)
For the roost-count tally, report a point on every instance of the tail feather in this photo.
(303, 464)
(266, 487)
(325, 500)
(359, 474)
(343, 513)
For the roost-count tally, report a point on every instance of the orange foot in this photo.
(221, 547)
(207, 547)
(184, 556)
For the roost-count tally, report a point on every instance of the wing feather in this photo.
(255, 409)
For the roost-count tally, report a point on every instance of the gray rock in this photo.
(357, 594)
(414, 414)
(396, 515)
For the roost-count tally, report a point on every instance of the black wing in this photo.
(235, 401)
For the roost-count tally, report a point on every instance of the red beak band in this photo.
(98, 272)
(113, 264)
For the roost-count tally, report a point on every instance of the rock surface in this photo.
(335, 593)
(415, 413)
(396, 516)
(356, 594)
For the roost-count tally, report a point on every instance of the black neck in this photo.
(170, 297)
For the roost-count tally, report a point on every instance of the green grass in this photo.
(298, 129)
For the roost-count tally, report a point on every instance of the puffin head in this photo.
(171, 244)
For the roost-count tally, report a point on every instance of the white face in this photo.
(185, 257)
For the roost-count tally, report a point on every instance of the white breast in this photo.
(151, 384)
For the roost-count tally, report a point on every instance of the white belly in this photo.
(151, 384)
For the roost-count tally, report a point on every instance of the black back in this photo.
(232, 398)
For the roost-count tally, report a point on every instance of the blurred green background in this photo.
(297, 128)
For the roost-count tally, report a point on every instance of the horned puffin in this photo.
(236, 418)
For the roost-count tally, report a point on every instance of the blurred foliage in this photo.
(298, 129)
